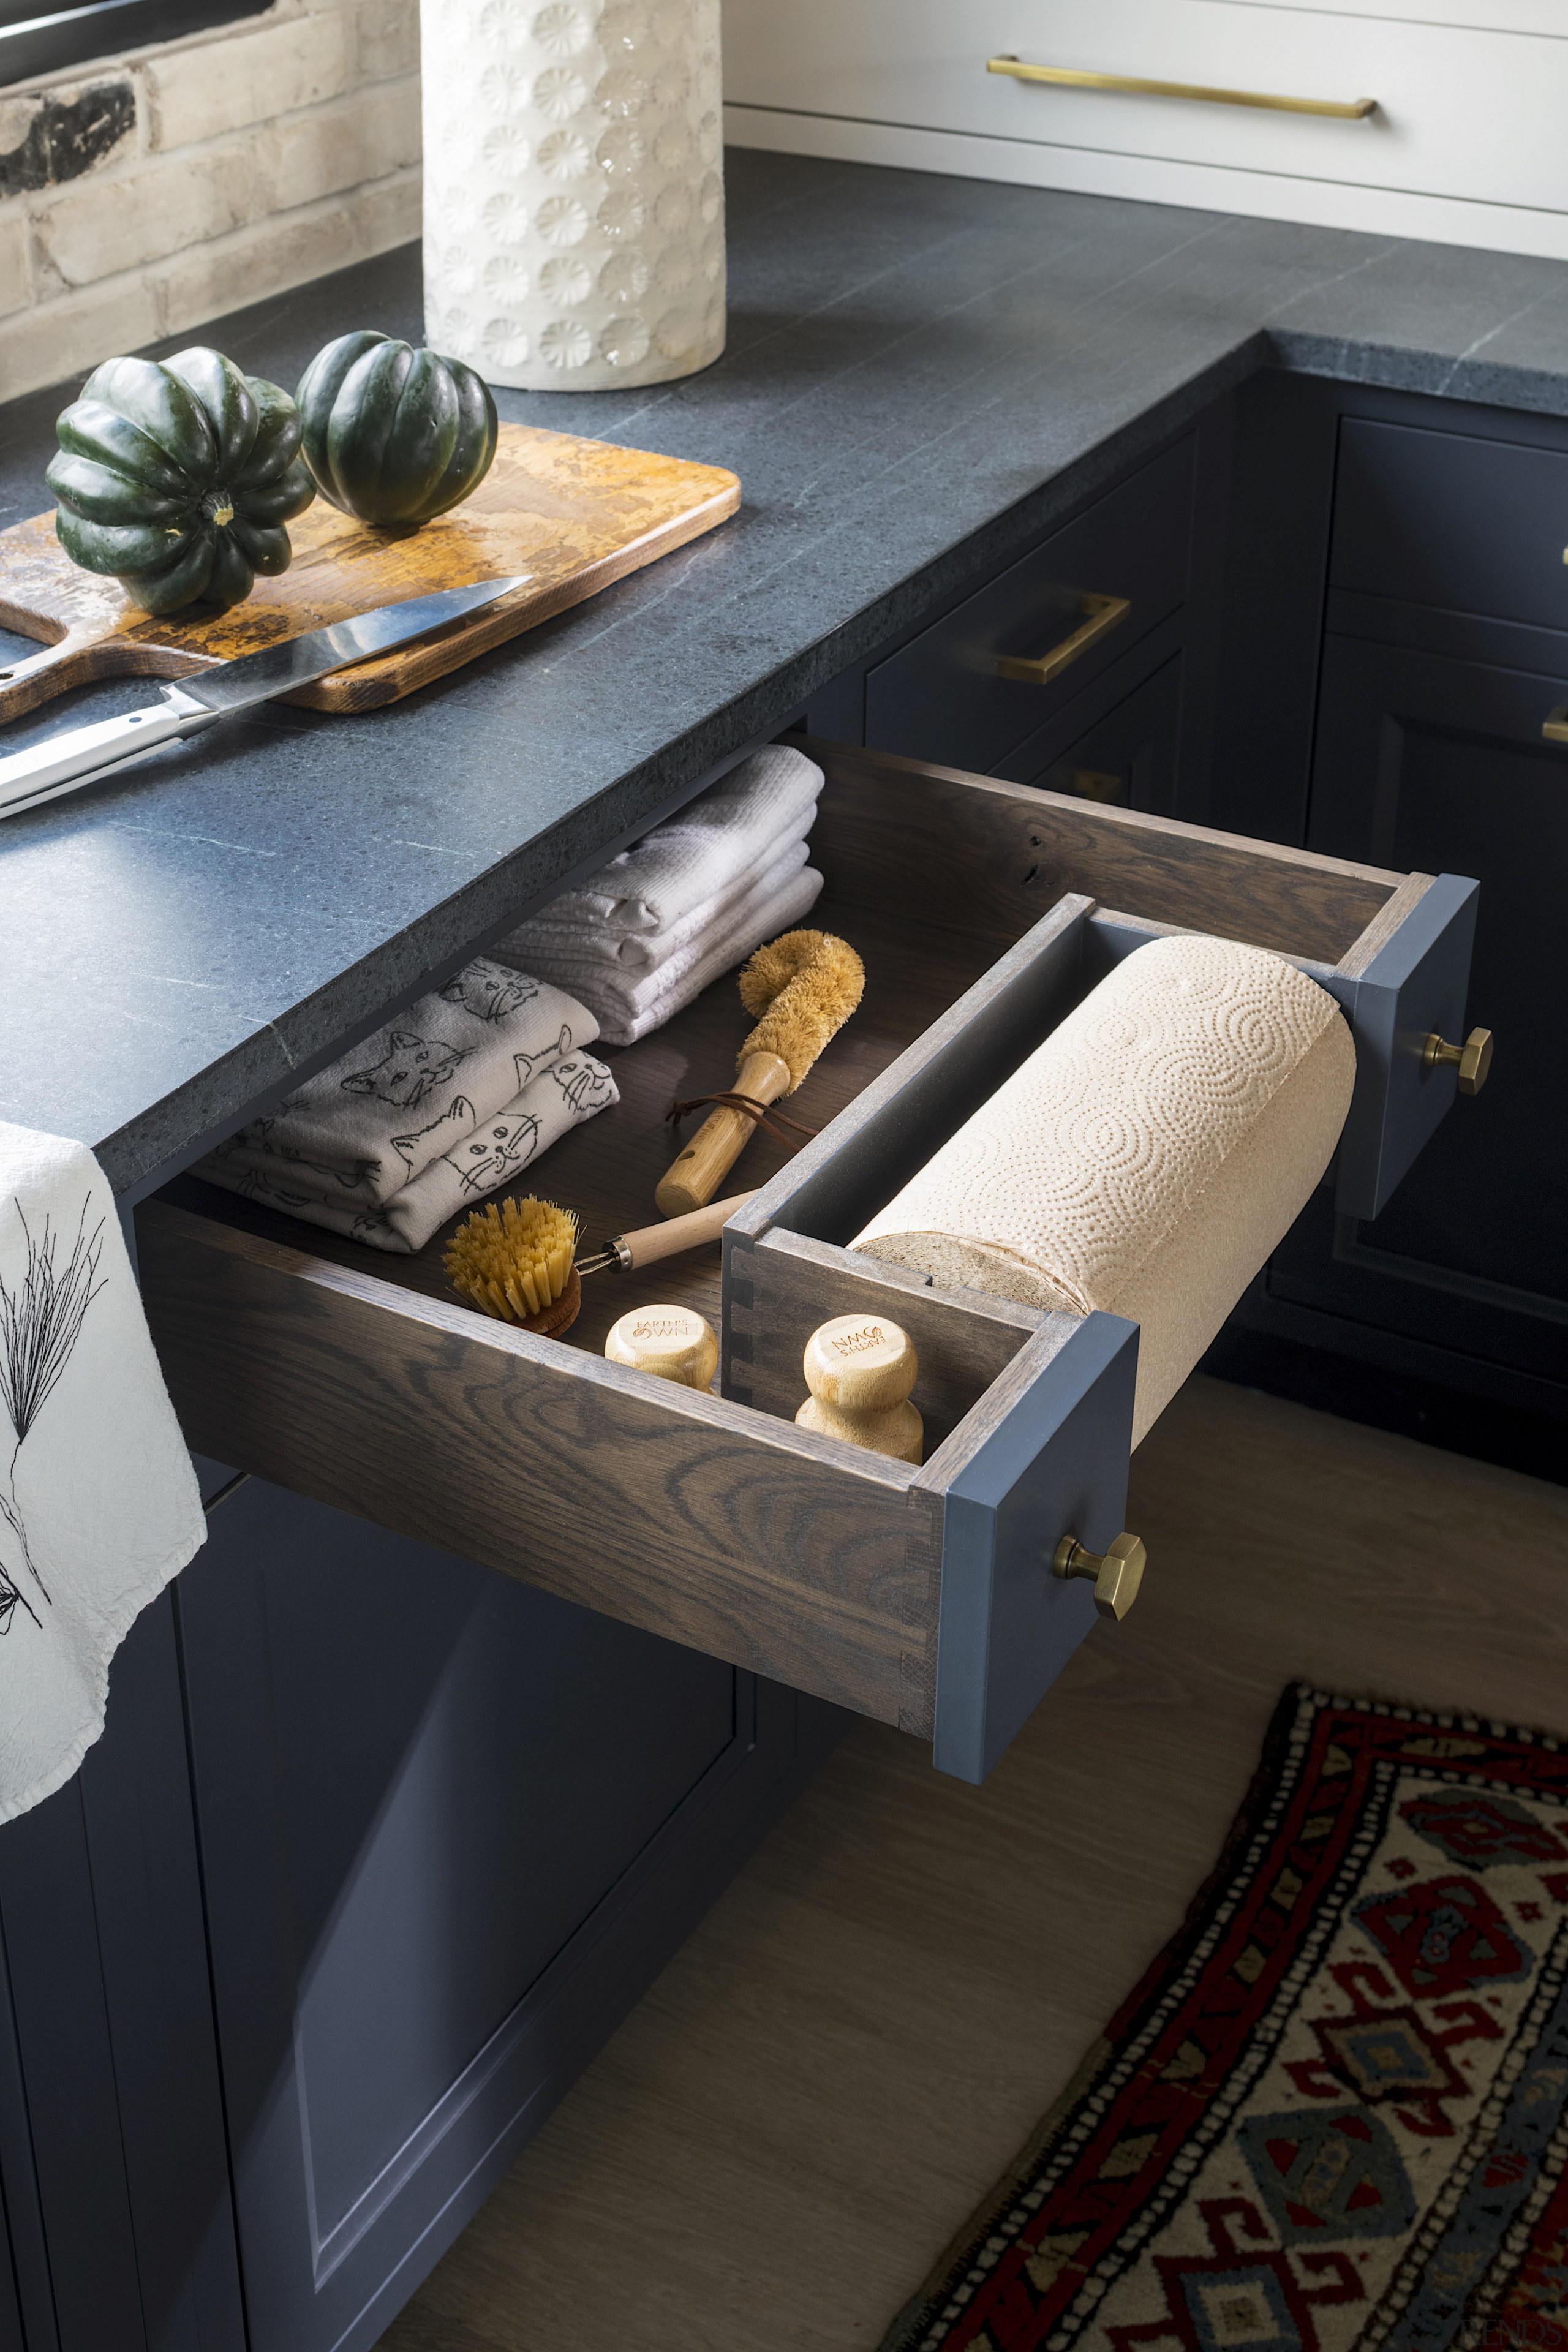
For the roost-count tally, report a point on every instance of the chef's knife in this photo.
(83, 755)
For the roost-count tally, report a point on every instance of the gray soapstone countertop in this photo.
(921, 372)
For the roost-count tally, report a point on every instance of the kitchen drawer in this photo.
(942, 696)
(1126, 758)
(1452, 521)
(1468, 112)
(922, 1597)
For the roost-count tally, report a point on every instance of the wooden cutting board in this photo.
(573, 514)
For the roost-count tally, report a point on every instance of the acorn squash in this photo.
(393, 435)
(177, 476)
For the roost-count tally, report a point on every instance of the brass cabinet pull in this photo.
(1472, 1060)
(1117, 1571)
(1354, 109)
(1554, 726)
(1104, 614)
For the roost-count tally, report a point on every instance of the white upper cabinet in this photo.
(1466, 138)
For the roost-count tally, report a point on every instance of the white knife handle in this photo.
(28, 777)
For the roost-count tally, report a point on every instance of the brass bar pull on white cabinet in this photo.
(1354, 109)
(1102, 614)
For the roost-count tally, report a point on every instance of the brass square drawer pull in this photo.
(1102, 614)
(1115, 1574)
(1472, 1060)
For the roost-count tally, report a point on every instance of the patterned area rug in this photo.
(1331, 2117)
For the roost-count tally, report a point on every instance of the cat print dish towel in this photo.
(99, 1503)
(568, 1091)
(358, 1132)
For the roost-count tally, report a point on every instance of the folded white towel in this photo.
(631, 990)
(559, 948)
(700, 852)
(561, 1097)
(362, 1130)
(621, 1024)
(99, 1503)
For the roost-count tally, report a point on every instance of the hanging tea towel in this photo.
(99, 1503)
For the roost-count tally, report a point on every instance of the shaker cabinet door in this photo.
(451, 1828)
(1436, 764)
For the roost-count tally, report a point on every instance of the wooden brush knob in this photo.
(860, 1369)
(670, 1342)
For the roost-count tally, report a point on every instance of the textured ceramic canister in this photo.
(573, 203)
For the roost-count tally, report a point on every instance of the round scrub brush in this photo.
(805, 986)
(515, 1262)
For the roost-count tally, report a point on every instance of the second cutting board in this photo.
(573, 514)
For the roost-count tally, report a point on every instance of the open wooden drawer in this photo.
(922, 1597)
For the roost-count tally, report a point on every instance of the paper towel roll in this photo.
(1147, 1158)
(574, 197)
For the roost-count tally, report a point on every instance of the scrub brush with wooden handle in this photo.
(515, 1262)
(805, 986)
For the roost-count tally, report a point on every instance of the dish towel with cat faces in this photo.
(568, 1091)
(99, 1503)
(359, 1131)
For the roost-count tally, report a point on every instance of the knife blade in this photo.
(83, 755)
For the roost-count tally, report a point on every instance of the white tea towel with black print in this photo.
(99, 1503)
(500, 1152)
(371, 1122)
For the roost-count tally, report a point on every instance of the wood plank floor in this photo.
(777, 2143)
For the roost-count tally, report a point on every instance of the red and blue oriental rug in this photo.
(1333, 2115)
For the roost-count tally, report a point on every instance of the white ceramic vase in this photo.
(574, 197)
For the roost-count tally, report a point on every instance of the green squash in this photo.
(393, 435)
(177, 476)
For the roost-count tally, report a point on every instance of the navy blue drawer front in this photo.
(939, 698)
(1451, 521)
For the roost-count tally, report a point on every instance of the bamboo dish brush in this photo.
(802, 988)
(515, 1262)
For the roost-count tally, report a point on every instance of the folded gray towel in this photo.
(560, 1096)
(362, 1130)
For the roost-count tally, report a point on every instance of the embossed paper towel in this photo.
(574, 197)
(1147, 1158)
(99, 1504)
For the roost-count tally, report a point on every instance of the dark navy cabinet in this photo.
(1427, 762)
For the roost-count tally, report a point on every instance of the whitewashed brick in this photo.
(15, 281)
(67, 338)
(388, 213)
(337, 147)
(94, 229)
(385, 38)
(264, 259)
(247, 77)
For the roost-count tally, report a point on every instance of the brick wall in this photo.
(143, 194)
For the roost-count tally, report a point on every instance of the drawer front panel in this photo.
(1451, 521)
(607, 1487)
(940, 696)
(1463, 111)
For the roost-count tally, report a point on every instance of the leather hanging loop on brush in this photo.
(803, 987)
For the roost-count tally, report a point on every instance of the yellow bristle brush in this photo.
(803, 986)
(515, 1262)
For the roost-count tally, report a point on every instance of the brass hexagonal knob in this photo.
(1116, 1573)
(1472, 1060)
